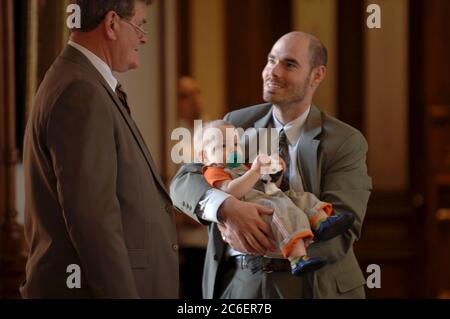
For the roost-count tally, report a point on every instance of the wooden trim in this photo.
(162, 46)
(183, 37)
(12, 252)
(65, 30)
(252, 28)
(32, 56)
(350, 63)
(48, 34)
(2, 112)
(386, 241)
(417, 125)
(429, 93)
(11, 154)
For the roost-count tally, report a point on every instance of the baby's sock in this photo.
(318, 219)
(316, 226)
(297, 252)
(295, 260)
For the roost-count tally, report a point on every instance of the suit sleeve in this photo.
(187, 189)
(80, 137)
(347, 186)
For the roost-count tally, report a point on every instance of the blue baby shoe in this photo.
(334, 226)
(307, 264)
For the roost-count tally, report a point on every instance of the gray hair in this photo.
(94, 11)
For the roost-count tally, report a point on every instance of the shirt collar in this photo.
(98, 63)
(294, 128)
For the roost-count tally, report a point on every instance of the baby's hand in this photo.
(261, 163)
(278, 169)
(281, 162)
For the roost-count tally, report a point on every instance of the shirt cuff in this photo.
(210, 204)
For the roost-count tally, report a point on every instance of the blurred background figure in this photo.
(192, 237)
(190, 102)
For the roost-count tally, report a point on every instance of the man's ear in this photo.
(110, 25)
(318, 74)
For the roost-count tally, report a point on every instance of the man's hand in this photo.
(243, 228)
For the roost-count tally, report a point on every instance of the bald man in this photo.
(327, 158)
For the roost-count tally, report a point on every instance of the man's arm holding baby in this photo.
(246, 232)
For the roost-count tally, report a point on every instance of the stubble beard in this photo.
(288, 101)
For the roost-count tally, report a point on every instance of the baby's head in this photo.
(216, 143)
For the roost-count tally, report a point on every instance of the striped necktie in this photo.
(284, 154)
(122, 97)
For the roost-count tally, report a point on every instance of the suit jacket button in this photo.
(175, 247)
(216, 258)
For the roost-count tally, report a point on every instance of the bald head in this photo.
(318, 54)
(295, 67)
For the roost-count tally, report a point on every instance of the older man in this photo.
(94, 199)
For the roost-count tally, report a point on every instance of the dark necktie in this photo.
(284, 154)
(122, 97)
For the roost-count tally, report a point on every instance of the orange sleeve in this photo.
(214, 175)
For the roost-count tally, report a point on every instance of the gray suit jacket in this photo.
(332, 163)
(93, 194)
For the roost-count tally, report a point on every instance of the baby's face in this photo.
(218, 150)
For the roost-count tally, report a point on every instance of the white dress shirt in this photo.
(98, 63)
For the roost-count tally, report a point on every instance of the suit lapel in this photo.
(138, 137)
(265, 139)
(307, 151)
(75, 56)
(265, 120)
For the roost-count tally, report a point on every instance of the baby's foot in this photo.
(333, 226)
(305, 264)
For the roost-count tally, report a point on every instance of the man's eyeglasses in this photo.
(139, 30)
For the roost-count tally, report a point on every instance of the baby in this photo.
(298, 218)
